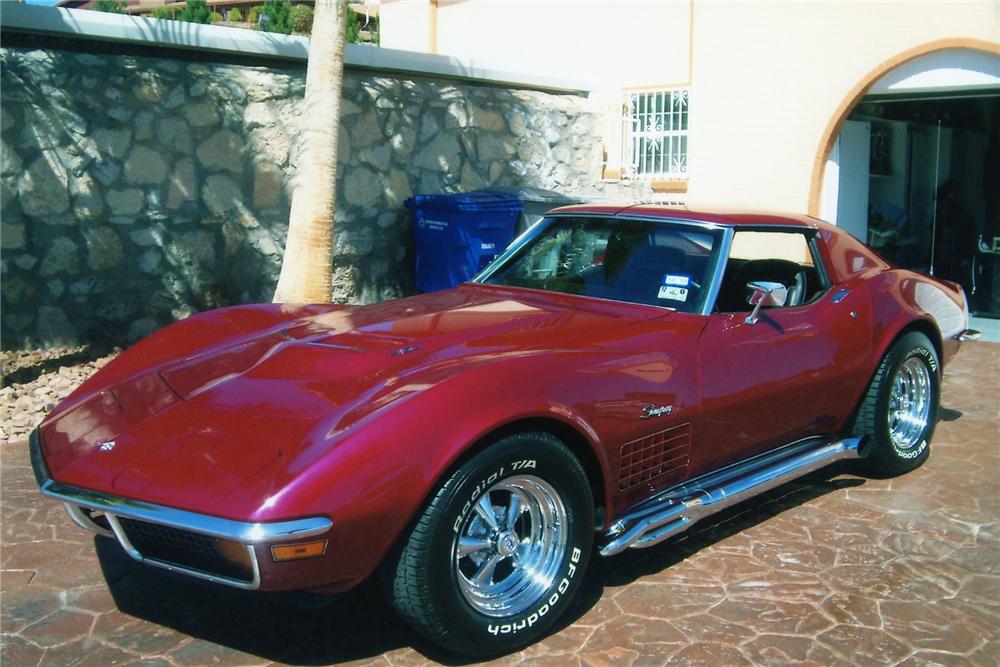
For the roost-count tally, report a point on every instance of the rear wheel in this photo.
(900, 409)
(500, 550)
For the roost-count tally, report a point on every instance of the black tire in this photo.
(432, 586)
(895, 447)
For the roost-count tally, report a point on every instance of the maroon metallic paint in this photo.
(796, 372)
(273, 412)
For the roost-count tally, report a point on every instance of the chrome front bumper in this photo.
(80, 502)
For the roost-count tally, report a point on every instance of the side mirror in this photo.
(762, 295)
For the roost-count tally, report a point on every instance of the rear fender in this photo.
(905, 301)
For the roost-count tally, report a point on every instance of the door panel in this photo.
(792, 374)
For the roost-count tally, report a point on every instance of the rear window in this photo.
(772, 245)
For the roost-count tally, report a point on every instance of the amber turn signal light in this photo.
(280, 552)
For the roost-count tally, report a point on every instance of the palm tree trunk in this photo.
(307, 265)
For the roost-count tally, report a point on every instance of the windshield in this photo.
(652, 262)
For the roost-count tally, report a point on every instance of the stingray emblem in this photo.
(107, 445)
(656, 411)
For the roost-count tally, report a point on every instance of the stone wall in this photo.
(137, 190)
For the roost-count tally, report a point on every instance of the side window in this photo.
(772, 256)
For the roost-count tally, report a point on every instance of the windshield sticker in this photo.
(672, 293)
(676, 281)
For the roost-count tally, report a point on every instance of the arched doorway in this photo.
(911, 165)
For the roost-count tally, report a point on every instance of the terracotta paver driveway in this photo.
(835, 570)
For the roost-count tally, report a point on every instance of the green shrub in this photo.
(301, 18)
(274, 16)
(253, 17)
(111, 6)
(165, 13)
(196, 11)
(215, 17)
(234, 15)
(352, 27)
(355, 24)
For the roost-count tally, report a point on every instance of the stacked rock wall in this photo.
(137, 190)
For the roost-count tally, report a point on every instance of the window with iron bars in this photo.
(655, 134)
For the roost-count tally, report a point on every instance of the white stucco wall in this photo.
(768, 78)
(595, 41)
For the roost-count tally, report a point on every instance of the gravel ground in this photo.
(34, 381)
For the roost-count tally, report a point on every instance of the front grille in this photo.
(184, 548)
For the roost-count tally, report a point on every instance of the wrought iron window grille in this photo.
(655, 134)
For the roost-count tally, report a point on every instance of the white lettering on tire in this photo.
(514, 628)
(477, 490)
(912, 454)
(931, 362)
(926, 355)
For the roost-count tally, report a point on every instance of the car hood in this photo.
(187, 432)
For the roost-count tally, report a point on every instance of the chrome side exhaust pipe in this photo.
(677, 508)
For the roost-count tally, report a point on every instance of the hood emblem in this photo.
(651, 411)
(106, 446)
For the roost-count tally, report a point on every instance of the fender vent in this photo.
(655, 455)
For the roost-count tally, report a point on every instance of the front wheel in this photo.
(900, 409)
(500, 550)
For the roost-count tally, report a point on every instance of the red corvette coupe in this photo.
(614, 376)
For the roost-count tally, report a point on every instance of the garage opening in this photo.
(915, 171)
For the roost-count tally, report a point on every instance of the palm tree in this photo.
(306, 267)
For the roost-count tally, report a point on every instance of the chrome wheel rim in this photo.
(510, 546)
(909, 405)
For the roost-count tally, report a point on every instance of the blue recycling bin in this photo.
(457, 235)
